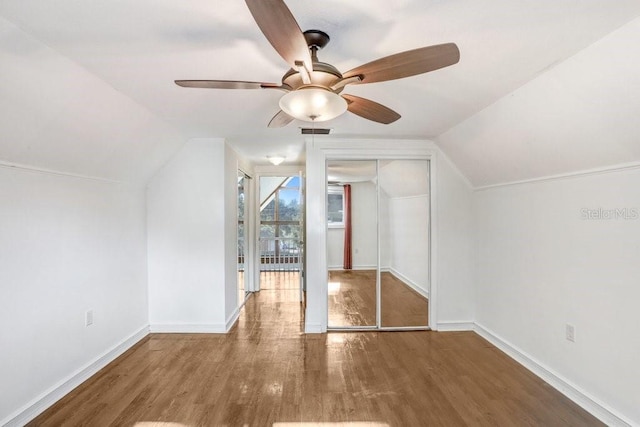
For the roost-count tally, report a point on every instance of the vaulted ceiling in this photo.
(541, 88)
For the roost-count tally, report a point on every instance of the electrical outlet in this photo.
(571, 333)
(88, 318)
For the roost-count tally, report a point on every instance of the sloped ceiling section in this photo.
(140, 47)
(542, 87)
(56, 115)
(582, 114)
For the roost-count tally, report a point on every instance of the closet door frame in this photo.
(377, 157)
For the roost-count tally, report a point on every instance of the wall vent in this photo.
(310, 131)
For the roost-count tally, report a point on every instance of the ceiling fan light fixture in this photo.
(275, 160)
(313, 104)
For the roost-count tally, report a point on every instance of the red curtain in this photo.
(347, 228)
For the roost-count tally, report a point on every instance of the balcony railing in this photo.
(279, 254)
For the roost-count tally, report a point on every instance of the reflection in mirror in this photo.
(404, 242)
(241, 239)
(352, 243)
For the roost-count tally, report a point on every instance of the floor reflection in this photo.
(352, 300)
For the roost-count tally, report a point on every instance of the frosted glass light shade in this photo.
(313, 104)
(275, 160)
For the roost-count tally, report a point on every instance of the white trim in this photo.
(314, 328)
(64, 387)
(591, 404)
(233, 318)
(587, 172)
(189, 328)
(404, 279)
(34, 169)
(454, 326)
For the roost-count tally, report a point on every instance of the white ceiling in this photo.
(508, 50)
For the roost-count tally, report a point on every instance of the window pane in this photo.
(241, 206)
(267, 230)
(268, 212)
(335, 209)
(289, 205)
(290, 231)
(293, 183)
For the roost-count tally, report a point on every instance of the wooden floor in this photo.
(266, 372)
(352, 300)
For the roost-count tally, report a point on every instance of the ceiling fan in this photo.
(313, 88)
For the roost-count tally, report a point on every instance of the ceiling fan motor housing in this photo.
(323, 75)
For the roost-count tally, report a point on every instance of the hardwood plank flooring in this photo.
(266, 372)
(400, 304)
(352, 300)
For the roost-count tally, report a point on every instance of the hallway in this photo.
(267, 372)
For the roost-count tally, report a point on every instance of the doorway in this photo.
(378, 244)
(281, 234)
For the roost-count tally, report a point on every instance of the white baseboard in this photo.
(232, 319)
(64, 387)
(313, 328)
(592, 405)
(189, 328)
(364, 267)
(455, 326)
(404, 279)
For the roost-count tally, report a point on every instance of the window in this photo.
(335, 206)
(281, 212)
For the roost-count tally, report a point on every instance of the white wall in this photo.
(335, 248)
(364, 239)
(385, 229)
(541, 265)
(67, 245)
(409, 250)
(363, 230)
(186, 243)
(454, 233)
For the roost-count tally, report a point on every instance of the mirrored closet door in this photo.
(378, 222)
(352, 238)
(404, 242)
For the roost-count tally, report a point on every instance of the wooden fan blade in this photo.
(370, 110)
(281, 29)
(281, 119)
(406, 64)
(226, 84)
